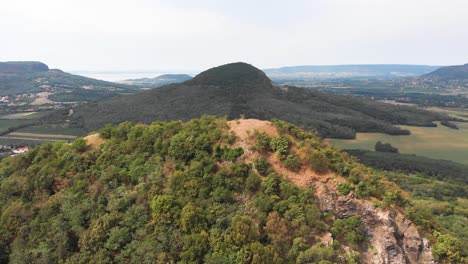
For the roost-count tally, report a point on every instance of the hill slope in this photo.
(449, 73)
(445, 78)
(36, 77)
(205, 191)
(240, 89)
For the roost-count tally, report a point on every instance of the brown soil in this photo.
(244, 127)
(94, 140)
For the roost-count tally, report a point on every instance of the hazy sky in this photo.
(194, 35)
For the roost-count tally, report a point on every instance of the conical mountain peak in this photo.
(232, 73)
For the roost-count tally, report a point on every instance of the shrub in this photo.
(447, 248)
(349, 229)
(280, 146)
(319, 161)
(262, 141)
(292, 162)
(79, 145)
(394, 198)
(232, 154)
(262, 165)
(252, 183)
(385, 147)
(106, 131)
(345, 188)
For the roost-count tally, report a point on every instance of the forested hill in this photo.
(207, 191)
(32, 77)
(239, 89)
(22, 67)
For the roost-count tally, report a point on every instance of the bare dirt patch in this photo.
(94, 140)
(245, 127)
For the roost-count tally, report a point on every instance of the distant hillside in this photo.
(22, 67)
(348, 71)
(453, 78)
(239, 89)
(161, 80)
(35, 77)
(449, 73)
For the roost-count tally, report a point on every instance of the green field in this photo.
(56, 130)
(433, 142)
(6, 123)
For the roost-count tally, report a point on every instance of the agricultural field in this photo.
(434, 142)
(25, 115)
(32, 135)
(9, 123)
(52, 130)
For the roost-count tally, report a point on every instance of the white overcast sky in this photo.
(194, 35)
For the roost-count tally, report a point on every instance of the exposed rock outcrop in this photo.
(392, 237)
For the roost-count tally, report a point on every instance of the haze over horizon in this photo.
(187, 36)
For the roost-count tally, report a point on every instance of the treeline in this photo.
(408, 163)
(449, 124)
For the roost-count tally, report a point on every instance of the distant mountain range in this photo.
(387, 71)
(161, 80)
(239, 89)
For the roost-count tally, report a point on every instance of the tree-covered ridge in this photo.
(183, 193)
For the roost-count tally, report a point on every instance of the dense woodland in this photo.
(178, 193)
